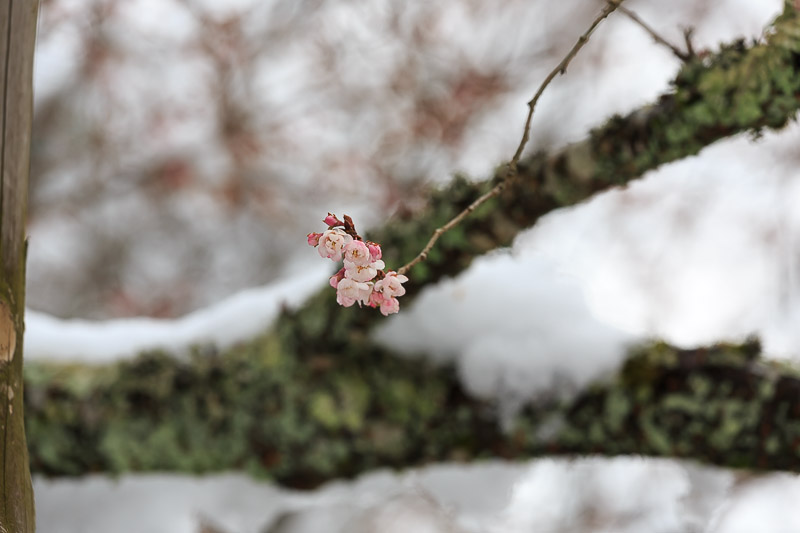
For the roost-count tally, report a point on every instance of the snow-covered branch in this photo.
(261, 409)
(709, 102)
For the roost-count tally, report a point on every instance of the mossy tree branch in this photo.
(744, 87)
(720, 405)
(300, 423)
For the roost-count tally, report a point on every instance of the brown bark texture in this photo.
(17, 37)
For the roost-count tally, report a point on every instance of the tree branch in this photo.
(302, 423)
(720, 405)
(739, 89)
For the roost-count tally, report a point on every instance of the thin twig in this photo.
(687, 38)
(497, 189)
(680, 54)
(561, 68)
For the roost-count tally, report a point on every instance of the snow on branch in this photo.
(709, 102)
(261, 409)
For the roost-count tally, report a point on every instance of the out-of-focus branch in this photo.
(720, 405)
(301, 423)
(512, 172)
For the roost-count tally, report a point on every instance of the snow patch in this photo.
(233, 320)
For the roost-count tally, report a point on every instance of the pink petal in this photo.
(375, 252)
(313, 238)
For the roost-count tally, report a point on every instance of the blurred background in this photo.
(182, 149)
(180, 146)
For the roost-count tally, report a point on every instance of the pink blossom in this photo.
(331, 220)
(333, 242)
(389, 306)
(313, 238)
(374, 251)
(362, 272)
(343, 300)
(357, 253)
(375, 299)
(390, 286)
(336, 278)
(348, 292)
(354, 283)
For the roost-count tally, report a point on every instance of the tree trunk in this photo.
(17, 37)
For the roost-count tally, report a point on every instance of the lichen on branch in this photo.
(260, 409)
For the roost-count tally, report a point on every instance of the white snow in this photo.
(760, 504)
(236, 503)
(516, 326)
(235, 319)
(620, 495)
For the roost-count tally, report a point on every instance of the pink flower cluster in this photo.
(362, 280)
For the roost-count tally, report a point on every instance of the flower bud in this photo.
(331, 220)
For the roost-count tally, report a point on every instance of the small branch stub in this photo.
(677, 52)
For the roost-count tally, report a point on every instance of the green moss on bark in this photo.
(717, 405)
(302, 423)
(256, 408)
